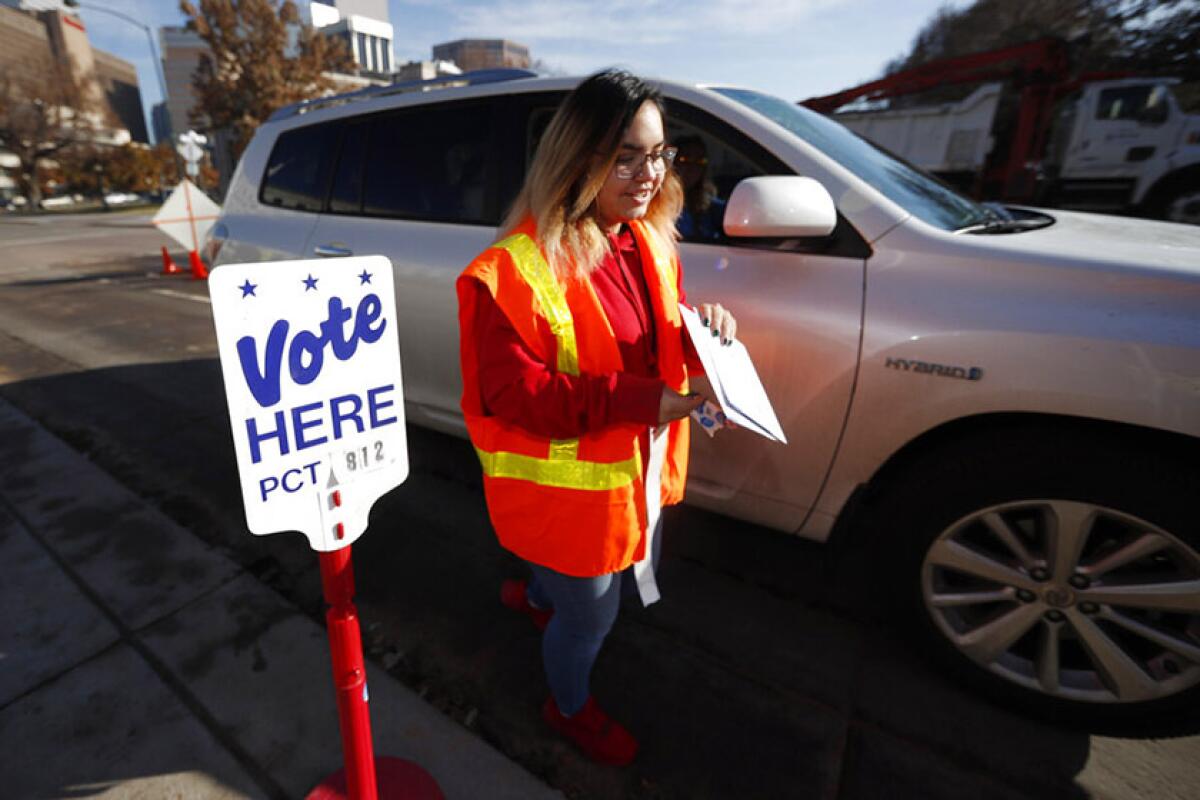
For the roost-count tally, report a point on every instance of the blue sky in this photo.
(791, 48)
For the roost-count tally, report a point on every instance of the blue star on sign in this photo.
(310, 282)
(364, 277)
(248, 288)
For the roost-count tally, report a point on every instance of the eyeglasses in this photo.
(659, 161)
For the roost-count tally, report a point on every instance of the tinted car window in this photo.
(297, 173)
(727, 159)
(346, 194)
(709, 163)
(1188, 96)
(721, 157)
(432, 164)
(520, 121)
(539, 120)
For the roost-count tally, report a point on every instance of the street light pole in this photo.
(158, 73)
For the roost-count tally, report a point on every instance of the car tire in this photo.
(1183, 206)
(982, 529)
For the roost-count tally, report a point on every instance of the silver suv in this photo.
(1006, 399)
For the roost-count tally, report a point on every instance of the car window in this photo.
(728, 157)
(1129, 102)
(1187, 95)
(520, 122)
(431, 163)
(920, 194)
(539, 120)
(345, 196)
(297, 173)
(711, 160)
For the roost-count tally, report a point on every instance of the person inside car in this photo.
(703, 212)
(576, 382)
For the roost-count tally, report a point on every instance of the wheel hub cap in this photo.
(1059, 597)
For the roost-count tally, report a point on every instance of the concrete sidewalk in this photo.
(136, 661)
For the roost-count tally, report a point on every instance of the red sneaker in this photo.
(512, 595)
(600, 737)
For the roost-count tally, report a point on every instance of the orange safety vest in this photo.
(577, 506)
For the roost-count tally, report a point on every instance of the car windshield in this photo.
(919, 194)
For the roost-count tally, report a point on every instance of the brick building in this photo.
(32, 36)
(471, 54)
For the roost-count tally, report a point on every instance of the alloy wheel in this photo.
(1071, 599)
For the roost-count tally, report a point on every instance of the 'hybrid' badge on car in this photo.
(944, 370)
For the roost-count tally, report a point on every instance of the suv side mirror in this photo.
(780, 205)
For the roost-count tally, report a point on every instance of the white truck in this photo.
(1121, 146)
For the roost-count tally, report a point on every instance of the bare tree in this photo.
(1164, 36)
(44, 110)
(260, 59)
(1158, 36)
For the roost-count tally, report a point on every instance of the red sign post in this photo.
(364, 776)
(311, 365)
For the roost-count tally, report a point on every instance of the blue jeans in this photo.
(584, 612)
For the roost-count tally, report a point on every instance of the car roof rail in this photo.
(473, 78)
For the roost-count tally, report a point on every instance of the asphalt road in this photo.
(771, 668)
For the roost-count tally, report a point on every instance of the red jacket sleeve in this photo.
(520, 389)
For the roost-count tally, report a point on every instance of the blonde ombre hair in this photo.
(573, 159)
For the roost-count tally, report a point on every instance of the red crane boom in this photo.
(1040, 70)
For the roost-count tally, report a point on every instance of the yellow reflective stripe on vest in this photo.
(572, 474)
(665, 268)
(564, 449)
(533, 268)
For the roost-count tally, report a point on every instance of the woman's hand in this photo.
(718, 320)
(699, 384)
(673, 405)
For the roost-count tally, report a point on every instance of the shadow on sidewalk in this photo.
(769, 669)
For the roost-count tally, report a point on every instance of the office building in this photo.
(32, 36)
(363, 25)
(425, 70)
(160, 122)
(119, 84)
(472, 54)
(371, 9)
(181, 50)
(26, 41)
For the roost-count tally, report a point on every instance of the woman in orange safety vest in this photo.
(576, 382)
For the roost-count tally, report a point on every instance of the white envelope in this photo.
(734, 379)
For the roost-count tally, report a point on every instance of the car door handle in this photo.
(332, 250)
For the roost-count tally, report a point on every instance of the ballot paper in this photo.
(709, 417)
(734, 380)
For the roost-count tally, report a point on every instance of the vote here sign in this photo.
(311, 363)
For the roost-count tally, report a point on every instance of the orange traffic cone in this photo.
(169, 266)
(199, 272)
